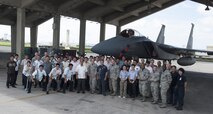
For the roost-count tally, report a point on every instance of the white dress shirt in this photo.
(68, 73)
(55, 73)
(81, 70)
(38, 74)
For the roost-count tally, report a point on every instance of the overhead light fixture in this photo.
(207, 8)
(207, 5)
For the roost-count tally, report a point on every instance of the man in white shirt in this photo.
(39, 76)
(54, 77)
(65, 63)
(68, 78)
(86, 63)
(37, 63)
(81, 73)
(23, 63)
(27, 72)
(75, 63)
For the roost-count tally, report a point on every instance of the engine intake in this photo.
(186, 61)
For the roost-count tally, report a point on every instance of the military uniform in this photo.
(143, 77)
(180, 91)
(92, 72)
(102, 70)
(165, 82)
(113, 73)
(155, 79)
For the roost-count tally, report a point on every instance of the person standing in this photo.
(11, 65)
(124, 74)
(86, 64)
(143, 77)
(75, 63)
(113, 76)
(17, 60)
(23, 63)
(132, 81)
(171, 91)
(81, 73)
(27, 71)
(54, 77)
(165, 82)
(155, 80)
(180, 89)
(102, 77)
(47, 67)
(68, 78)
(92, 72)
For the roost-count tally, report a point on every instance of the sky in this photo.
(177, 18)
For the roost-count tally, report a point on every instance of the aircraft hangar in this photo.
(31, 13)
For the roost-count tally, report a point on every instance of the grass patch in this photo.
(4, 43)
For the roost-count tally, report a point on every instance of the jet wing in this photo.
(182, 51)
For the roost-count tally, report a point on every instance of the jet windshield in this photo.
(128, 33)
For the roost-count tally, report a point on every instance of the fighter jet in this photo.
(128, 45)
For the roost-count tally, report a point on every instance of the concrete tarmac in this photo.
(198, 100)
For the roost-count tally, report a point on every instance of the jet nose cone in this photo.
(95, 48)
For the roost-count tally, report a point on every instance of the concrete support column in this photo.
(20, 34)
(102, 31)
(56, 31)
(13, 38)
(82, 36)
(118, 30)
(33, 36)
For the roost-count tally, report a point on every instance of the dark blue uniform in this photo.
(102, 70)
(180, 91)
(171, 91)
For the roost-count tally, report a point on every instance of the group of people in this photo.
(125, 78)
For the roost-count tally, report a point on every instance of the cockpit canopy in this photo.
(127, 33)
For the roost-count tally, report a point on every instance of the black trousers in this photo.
(29, 85)
(132, 89)
(87, 84)
(75, 81)
(68, 85)
(16, 75)
(10, 79)
(81, 85)
(171, 94)
(118, 86)
(62, 83)
(23, 76)
(179, 96)
(102, 86)
(46, 82)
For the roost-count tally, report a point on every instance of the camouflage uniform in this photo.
(92, 72)
(155, 79)
(165, 82)
(143, 80)
(113, 73)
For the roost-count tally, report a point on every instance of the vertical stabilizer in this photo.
(190, 40)
(161, 36)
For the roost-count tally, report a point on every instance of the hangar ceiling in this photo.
(116, 12)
